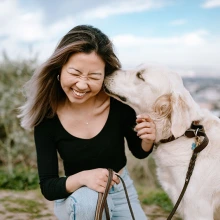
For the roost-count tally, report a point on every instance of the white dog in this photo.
(160, 93)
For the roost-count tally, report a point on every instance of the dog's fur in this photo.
(160, 93)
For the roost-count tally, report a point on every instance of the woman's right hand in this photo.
(97, 179)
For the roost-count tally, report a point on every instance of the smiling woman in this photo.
(72, 115)
(82, 77)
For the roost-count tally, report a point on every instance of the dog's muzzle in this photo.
(122, 98)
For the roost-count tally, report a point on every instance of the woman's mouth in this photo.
(79, 94)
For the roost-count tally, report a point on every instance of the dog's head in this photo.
(158, 92)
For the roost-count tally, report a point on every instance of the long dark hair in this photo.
(43, 90)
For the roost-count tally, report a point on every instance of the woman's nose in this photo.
(82, 83)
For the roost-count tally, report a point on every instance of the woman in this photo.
(72, 115)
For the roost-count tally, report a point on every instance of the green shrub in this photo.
(16, 144)
(160, 198)
(23, 178)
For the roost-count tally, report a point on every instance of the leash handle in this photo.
(102, 198)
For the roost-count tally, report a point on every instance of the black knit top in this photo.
(105, 150)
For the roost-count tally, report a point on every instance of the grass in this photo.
(156, 197)
(23, 205)
(157, 202)
(159, 198)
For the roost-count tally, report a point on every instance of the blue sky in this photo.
(181, 34)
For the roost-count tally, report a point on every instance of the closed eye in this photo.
(139, 76)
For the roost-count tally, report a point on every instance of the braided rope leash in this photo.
(102, 199)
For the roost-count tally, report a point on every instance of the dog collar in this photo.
(197, 131)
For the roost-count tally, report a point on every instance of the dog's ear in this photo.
(162, 106)
(184, 111)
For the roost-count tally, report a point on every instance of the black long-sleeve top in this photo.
(105, 150)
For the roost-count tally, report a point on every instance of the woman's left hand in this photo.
(146, 129)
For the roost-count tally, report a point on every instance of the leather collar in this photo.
(196, 130)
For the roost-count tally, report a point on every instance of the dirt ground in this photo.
(26, 205)
(31, 205)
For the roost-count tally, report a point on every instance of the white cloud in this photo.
(29, 27)
(188, 51)
(190, 39)
(21, 29)
(123, 7)
(196, 38)
(178, 22)
(211, 4)
(24, 29)
(22, 32)
(19, 25)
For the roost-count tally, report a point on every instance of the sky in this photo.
(180, 34)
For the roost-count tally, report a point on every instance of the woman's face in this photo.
(82, 77)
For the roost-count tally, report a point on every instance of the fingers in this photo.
(146, 123)
(147, 137)
(103, 180)
(144, 131)
(145, 128)
(144, 117)
(115, 179)
(100, 189)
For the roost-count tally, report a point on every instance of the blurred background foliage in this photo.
(17, 153)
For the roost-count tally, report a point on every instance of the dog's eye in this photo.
(139, 76)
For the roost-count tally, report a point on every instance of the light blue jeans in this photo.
(81, 204)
